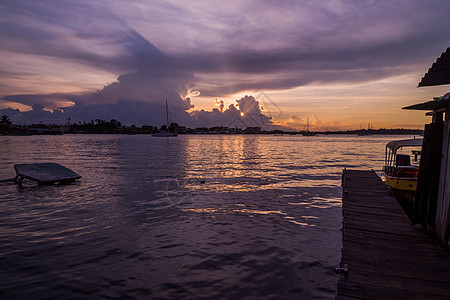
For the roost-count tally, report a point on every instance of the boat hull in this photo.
(405, 196)
(403, 184)
(403, 189)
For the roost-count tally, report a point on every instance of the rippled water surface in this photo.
(191, 217)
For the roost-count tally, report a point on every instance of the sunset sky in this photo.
(340, 64)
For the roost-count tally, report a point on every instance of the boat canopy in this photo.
(394, 145)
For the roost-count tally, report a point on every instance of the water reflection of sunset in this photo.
(194, 205)
(246, 163)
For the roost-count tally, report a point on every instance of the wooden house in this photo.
(432, 202)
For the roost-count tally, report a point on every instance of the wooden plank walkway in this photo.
(387, 258)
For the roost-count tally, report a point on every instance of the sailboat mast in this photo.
(167, 116)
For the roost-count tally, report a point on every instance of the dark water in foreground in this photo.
(141, 225)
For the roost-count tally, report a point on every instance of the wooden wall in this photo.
(443, 202)
(425, 204)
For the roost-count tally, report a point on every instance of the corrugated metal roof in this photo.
(430, 105)
(439, 73)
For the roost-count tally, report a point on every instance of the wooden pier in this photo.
(387, 258)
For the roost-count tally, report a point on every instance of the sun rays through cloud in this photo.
(337, 62)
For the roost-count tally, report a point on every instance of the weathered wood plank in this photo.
(391, 218)
(375, 212)
(382, 240)
(398, 270)
(397, 261)
(387, 257)
(370, 226)
(376, 292)
(418, 286)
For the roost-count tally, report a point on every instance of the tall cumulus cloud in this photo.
(219, 51)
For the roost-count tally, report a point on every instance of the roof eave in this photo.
(439, 73)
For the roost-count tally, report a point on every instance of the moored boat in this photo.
(165, 133)
(400, 172)
(307, 132)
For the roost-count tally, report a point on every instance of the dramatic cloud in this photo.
(143, 53)
(312, 122)
(220, 104)
(245, 113)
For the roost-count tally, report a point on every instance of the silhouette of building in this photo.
(432, 202)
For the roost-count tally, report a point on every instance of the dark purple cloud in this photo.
(162, 50)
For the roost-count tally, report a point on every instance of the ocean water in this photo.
(191, 217)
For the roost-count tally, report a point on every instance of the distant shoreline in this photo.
(417, 132)
(116, 127)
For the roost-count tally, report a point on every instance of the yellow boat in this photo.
(400, 172)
